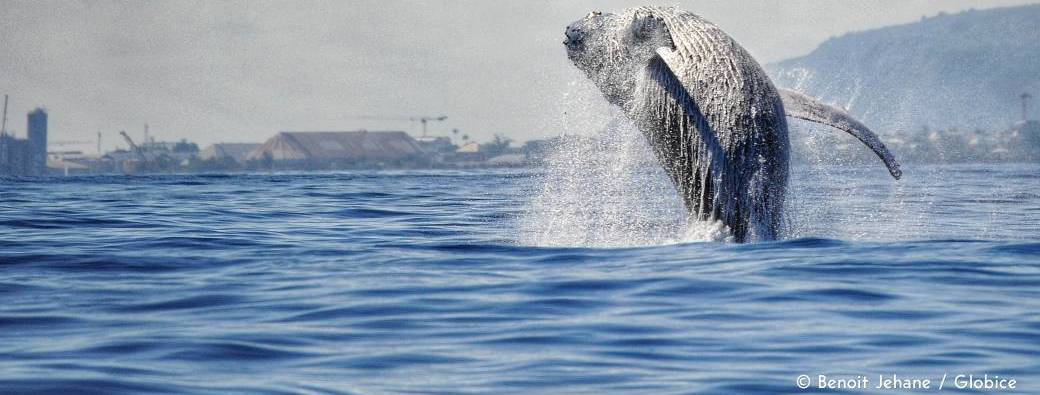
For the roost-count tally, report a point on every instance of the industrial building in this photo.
(238, 152)
(339, 150)
(14, 156)
(26, 157)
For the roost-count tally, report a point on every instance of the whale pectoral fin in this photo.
(804, 107)
(688, 148)
(662, 70)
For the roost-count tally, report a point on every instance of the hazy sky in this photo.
(242, 71)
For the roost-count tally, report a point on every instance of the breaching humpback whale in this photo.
(711, 114)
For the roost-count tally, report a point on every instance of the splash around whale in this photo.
(712, 116)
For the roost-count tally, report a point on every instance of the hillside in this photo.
(963, 71)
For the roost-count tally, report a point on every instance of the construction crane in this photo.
(133, 147)
(424, 120)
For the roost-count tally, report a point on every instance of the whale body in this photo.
(712, 116)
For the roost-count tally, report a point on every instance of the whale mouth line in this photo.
(575, 48)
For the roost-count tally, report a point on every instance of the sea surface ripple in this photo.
(421, 282)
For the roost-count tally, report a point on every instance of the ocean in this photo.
(515, 281)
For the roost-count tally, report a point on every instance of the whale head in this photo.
(613, 49)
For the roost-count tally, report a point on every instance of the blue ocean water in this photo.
(435, 282)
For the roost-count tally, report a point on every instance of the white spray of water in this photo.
(608, 190)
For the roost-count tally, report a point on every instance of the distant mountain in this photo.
(963, 71)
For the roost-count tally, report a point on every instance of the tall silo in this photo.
(37, 133)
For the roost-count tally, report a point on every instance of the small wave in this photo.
(827, 295)
(191, 302)
(401, 361)
(71, 222)
(1026, 249)
(23, 322)
(84, 386)
(235, 351)
(372, 213)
